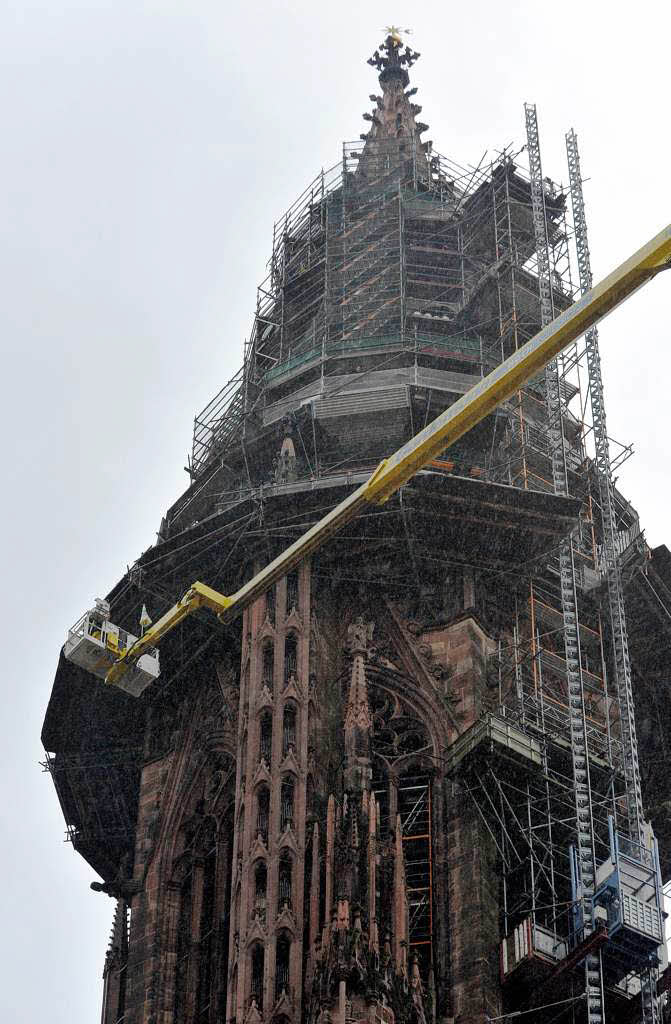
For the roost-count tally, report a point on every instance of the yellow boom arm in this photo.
(447, 428)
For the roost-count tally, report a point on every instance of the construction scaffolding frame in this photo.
(401, 284)
(564, 675)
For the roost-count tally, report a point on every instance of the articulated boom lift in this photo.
(128, 666)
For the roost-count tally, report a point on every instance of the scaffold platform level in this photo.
(494, 737)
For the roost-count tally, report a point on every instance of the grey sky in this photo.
(145, 150)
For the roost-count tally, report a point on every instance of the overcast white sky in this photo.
(145, 150)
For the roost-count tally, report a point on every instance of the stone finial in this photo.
(358, 724)
(400, 903)
(285, 466)
(359, 636)
(357, 713)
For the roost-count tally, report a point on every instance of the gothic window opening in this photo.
(243, 752)
(270, 605)
(258, 962)
(292, 592)
(284, 882)
(287, 804)
(183, 945)
(282, 965)
(266, 737)
(205, 998)
(290, 657)
(288, 729)
(263, 812)
(402, 786)
(414, 807)
(307, 893)
(268, 669)
(224, 907)
(260, 889)
(310, 799)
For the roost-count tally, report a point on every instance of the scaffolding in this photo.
(407, 284)
(396, 280)
(564, 677)
(93, 791)
(364, 272)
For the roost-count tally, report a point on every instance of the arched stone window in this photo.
(284, 886)
(310, 799)
(243, 752)
(282, 961)
(206, 995)
(293, 598)
(183, 943)
(290, 657)
(225, 850)
(414, 809)
(402, 785)
(287, 803)
(260, 889)
(266, 737)
(257, 964)
(268, 668)
(270, 605)
(307, 890)
(204, 873)
(288, 729)
(262, 812)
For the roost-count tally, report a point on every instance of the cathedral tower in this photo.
(405, 787)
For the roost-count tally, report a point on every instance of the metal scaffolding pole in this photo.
(585, 854)
(610, 556)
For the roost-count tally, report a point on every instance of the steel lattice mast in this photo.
(610, 560)
(585, 852)
(611, 565)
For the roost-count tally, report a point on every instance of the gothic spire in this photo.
(394, 115)
(358, 720)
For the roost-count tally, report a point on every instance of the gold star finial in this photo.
(397, 33)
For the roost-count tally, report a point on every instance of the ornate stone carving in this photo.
(360, 636)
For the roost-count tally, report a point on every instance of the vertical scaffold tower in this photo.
(610, 560)
(585, 859)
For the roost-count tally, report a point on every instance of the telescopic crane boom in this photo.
(438, 435)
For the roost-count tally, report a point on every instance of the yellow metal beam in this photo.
(447, 428)
(199, 595)
(524, 364)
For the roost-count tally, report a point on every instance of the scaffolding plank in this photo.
(495, 735)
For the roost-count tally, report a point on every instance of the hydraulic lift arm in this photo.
(447, 428)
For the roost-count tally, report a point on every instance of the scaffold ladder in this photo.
(585, 855)
(611, 563)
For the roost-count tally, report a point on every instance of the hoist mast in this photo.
(585, 856)
(630, 765)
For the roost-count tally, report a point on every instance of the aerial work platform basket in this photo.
(94, 643)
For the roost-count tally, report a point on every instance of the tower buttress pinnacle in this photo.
(358, 723)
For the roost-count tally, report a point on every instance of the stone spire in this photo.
(358, 720)
(393, 139)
